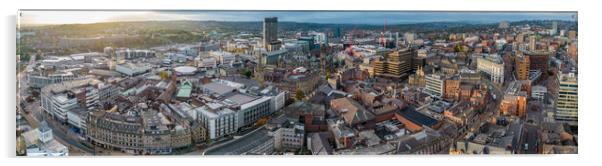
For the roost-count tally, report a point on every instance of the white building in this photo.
(185, 70)
(131, 69)
(492, 66)
(58, 99)
(40, 142)
(38, 80)
(566, 102)
(277, 102)
(273, 57)
(123, 54)
(320, 38)
(77, 118)
(538, 92)
(218, 120)
(409, 38)
(250, 111)
(248, 107)
(206, 63)
(58, 61)
(107, 93)
(434, 85)
(289, 136)
(224, 58)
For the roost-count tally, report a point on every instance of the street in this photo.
(238, 145)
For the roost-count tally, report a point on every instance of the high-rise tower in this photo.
(270, 31)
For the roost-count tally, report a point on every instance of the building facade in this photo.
(270, 30)
(492, 66)
(522, 67)
(567, 101)
(394, 65)
(218, 121)
(58, 99)
(434, 85)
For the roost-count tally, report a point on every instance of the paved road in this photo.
(240, 145)
(60, 132)
(70, 139)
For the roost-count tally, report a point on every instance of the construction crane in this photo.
(382, 40)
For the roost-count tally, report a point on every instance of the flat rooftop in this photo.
(218, 88)
(417, 117)
(240, 99)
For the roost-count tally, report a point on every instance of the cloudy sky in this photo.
(345, 17)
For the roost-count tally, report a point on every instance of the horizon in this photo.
(52, 17)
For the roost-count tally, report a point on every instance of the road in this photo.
(35, 115)
(491, 110)
(238, 145)
(60, 132)
(22, 81)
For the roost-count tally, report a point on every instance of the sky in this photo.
(340, 17)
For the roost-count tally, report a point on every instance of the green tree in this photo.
(459, 48)
(164, 75)
(25, 58)
(247, 73)
(299, 95)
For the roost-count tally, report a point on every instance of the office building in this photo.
(219, 120)
(288, 135)
(554, 29)
(567, 101)
(58, 99)
(532, 43)
(270, 31)
(394, 65)
(130, 69)
(492, 66)
(522, 67)
(434, 85)
(42, 78)
(538, 60)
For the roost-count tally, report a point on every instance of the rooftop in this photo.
(240, 98)
(416, 117)
(64, 86)
(217, 88)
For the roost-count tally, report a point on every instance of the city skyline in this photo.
(272, 87)
(51, 17)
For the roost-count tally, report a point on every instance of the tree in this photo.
(164, 75)
(481, 111)
(247, 73)
(459, 48)
(261, 121)
(299, 95)
(25, 58)
(38, 56)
